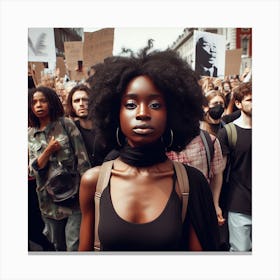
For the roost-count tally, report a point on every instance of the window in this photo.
(245, 45)
(212, 30)
(228, 46)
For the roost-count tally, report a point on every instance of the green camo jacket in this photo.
(67, 155)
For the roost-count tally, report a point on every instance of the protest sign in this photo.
(233, 62)
(41, 46)
(209, 54)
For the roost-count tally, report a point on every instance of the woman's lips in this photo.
(143, 130)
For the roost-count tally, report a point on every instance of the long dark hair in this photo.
(69, 108)
(55, 106)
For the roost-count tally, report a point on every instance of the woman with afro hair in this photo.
(143, 106)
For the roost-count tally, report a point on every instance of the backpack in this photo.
(103, 180)
(209, 147)
(224, 232)
(232, 139)
(231, 134)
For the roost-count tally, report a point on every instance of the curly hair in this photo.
(242, 90)
(69, 108)
(55, 106)
(170, 74)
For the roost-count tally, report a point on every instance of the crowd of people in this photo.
(141, 114)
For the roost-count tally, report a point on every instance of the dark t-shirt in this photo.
(240, 181)
(88, 137)
(215, 127)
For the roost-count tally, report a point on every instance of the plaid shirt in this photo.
(195, 155)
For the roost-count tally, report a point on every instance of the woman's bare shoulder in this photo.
(89, 178)
(92, 173)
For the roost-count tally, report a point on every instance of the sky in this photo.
(135, 38)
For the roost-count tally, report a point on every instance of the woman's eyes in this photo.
(153, 105)
(130, 105)
(41, 101)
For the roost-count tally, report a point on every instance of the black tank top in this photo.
(162, 234)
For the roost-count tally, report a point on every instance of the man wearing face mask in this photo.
(214, 107)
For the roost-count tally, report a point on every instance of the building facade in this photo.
(62, 35)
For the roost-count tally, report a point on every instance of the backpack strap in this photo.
(232, 138)
(209, 147)
(183, 182)
(231, 134)
(102, 182)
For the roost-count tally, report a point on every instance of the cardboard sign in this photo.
(37, 69)
(97, 46)
(233, 62)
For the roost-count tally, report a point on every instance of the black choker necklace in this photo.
(146, 155)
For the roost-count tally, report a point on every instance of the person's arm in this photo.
(52, 147)
(216, 179)
(201, 222)
(87, 192)
(216, 186)
(231, 104)
(38, 163)
(194, 244)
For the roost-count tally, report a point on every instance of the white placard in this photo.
(41, 46)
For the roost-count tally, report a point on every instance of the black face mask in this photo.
(216, 112)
